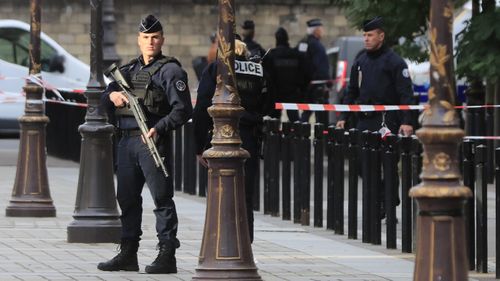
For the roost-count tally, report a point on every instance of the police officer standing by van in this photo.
(316, 60)
(379, 76)
(252, 90)
(160, 84)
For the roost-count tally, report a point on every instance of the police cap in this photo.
(150, 24)
(372, 24)
(248, 24)
(314, 22)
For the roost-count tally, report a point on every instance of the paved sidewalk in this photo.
(36, 248)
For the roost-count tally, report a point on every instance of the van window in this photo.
(14, 48)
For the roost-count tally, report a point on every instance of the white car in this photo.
(60, 70)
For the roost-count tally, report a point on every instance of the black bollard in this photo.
(297, 166)
(468, 177)
(390, 168)
(286, 169)
(416, 163)
(352, 231)
(375, 188)
(267, 162)
(338, 181)
(189, 159)
(178, 160)
(497, 210)
(481, 210)
(305, 174)
(366, 176)
(406, 206)
(330, 212)
(319, 148)
(274, 168)
(202, 180)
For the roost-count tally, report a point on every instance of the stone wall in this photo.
(188, 23)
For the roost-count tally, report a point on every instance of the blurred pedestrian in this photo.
(285, 74)
(255, 49)
(316, 60)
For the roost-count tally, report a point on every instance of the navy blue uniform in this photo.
(286, 78)
(380, 77)
(317, 65)
(255, 101)
(135, 164)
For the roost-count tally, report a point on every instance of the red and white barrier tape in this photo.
(361, 107)
(482, 137)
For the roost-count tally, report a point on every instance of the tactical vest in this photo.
(249, 80)
(149, 95)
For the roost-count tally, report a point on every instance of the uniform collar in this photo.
(157, 57)
(378, 52)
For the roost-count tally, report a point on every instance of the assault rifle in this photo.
(114, 73)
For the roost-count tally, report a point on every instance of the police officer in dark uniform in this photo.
(160, 84)
(254, 99)
(379, 76)
(255, 49)
(285, 74)
(318, 68)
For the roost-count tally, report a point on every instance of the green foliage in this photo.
(478, 51)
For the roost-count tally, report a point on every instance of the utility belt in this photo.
(368, 114)
(130, 132)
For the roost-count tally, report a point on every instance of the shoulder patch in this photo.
(180, 85)
(406, 73)
(303, 47)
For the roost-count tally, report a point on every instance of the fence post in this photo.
(267, 160)
(416, 171)
(330, 212)
(366, 175)
(202, 180)
(286, 169)
(470, 222)
(306, 174)
(481, 210)
(319, 148)
(375, 188)
(497, 210)
(178, 159)
(390, 167)
(274, 168)
(297, 166)
(352, 231)
(406, 212)
(338, 181)
(189, 159)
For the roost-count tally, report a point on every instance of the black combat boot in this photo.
(165, 262)
(125, 260)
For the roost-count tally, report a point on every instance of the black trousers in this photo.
(136, 167)
(250, 143)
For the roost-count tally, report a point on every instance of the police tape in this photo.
(21, 99)
(363, 107)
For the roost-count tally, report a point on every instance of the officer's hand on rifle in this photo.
(341, 124)
(151, 135)
(119, 99)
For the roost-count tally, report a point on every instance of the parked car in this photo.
(59, 70)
